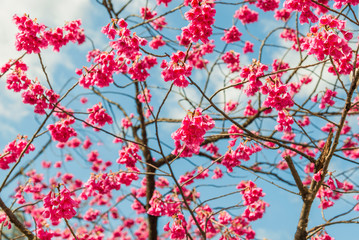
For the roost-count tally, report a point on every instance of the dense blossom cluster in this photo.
(13, 150)
(98, 116)
(33, 92)
(201, 17)
(232, 35)
(176, 70)
(126, 49)
(33, 36)
(157, 42)
(303, 6)
(58, 206)
(17, 79)
(101, 74)
(190, 135)
(128, 155)
(324, 41)
(42, 98)
(246, 15)
(231, 58)
(278, 96)
(61, 131)
(232, 157)
(252, 73)
(327, 99)
(195, 56)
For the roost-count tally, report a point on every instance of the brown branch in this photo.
(16, 221)
(302, 189)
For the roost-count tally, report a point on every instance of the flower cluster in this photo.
(284, 121)
(126, 46)
(246, 15)
(33, 37)
(128, 155)
(17, 79)
(42, 98)
(302, 6)
(104, 183)
(251, 195)
(252, 73)
(278, 96)
(177, 231)
(101, 73)
(176, 70)
(232, 35)
(243, 152)
(138, 70)
(147, 14)
(195, 56)
(98, 116)
(324, 41)
(35, 93)
(201, 17)
(327, 98)
(282, 14)
(165, 2)
(157, 42)
(249, 110)
(194, 127)
(57, 39)
(230, 106)
(231, 58)
(58, 206)
(279, 65)
(166, 207)
(248, 47)
(126, 122)
(13, 150)
(267, 5)
(327, 194)
(145, 97)
(159, 23)
(61, 131)
(322, 235)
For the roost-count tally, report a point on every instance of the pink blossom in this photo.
(267, 5)
(248, 47)
(58, 206)
(231, 58)
(246, 15)
(327, 98)
(126, 122)
(165, 2)
(176, 70)
(159, 23)
(201, 18)
(249, 110)
(230, 106)
(157, 42)
(217, 173)
(191, 133)
(98, 116)
(83, 100)
(232, 35)
(13, 150)
(61, 131)
(282, 14)
(147, 14)
(195, 56)
(129, 155)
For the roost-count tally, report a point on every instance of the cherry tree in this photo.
(198, 107)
